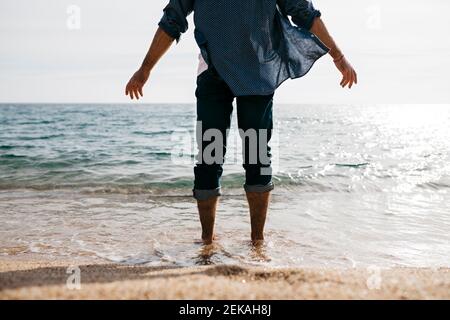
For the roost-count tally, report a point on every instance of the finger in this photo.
(356, 77)
(352, 80)
(347, 79)
(136, 93)
(140, 91)
(126, 90)
(342, 80)
(131, 93)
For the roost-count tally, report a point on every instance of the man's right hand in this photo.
(136, 83)
(160, 44)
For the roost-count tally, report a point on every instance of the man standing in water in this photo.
(248, 48)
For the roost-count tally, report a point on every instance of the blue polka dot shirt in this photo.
(251, 43)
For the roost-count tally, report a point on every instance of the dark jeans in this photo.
(214, 109)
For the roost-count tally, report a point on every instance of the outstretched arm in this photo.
(349, 76)
(304, 15)
(172, 25)
(160, 44)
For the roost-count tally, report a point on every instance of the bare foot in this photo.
(258, 251)
(258, 243)
(206, 253)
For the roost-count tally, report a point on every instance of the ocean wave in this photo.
(350, 165)
(434, 185)
(36, 122)
(109, 176)
(183, 186)
(11, 147)
(44, 137)
(153, 133)
(139, 184)
(11, 156)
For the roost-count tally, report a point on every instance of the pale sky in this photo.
(400, 49)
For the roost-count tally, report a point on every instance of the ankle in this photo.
(257, 236)
(258, 203)
(207, 241)
(207, 212)
(207, 235)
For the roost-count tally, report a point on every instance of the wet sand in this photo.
(34, 279)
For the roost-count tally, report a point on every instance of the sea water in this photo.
(355, 186)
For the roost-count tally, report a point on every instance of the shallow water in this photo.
(355, 186)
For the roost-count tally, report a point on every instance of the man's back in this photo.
(250, 43)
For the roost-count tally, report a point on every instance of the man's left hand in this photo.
(349, 76)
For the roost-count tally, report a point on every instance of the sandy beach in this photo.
(34, 279)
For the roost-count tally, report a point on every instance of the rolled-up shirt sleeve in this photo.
(302, 12)
(174, 20)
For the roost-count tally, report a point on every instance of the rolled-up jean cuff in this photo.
(206, 194)
(259, 187)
